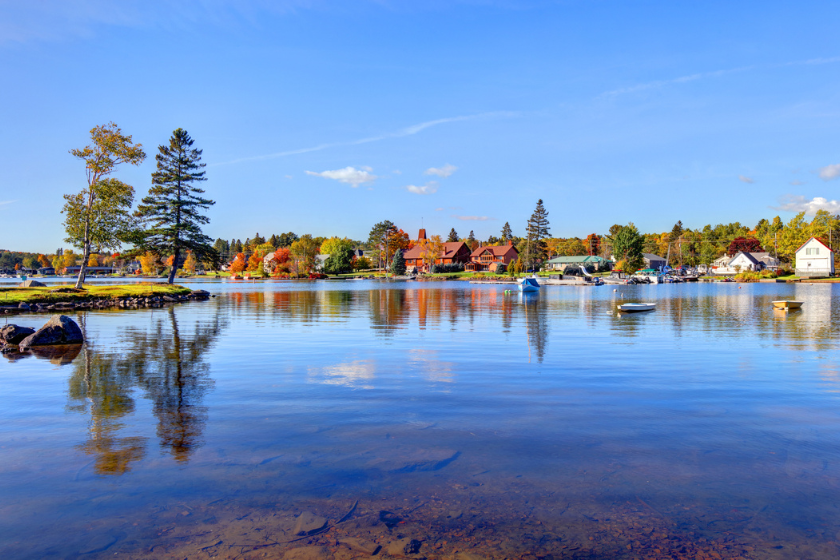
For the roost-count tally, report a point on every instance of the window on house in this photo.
(812, 251)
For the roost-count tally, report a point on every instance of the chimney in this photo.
(421, 235)
(510, 242)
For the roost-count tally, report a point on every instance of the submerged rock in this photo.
(360, 545)
(308, 523)
(307, 553)
(403, 547)
(13, 334)
(60, 329)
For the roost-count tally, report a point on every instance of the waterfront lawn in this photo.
(16, 295)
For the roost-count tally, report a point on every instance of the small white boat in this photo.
(787, 304)
(529, 285)
(636, 307)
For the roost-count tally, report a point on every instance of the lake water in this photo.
(481, 424)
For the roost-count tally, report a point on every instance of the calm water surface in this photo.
(483, 425)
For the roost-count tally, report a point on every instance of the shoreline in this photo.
(61, 298)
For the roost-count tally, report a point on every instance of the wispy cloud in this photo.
(473, 218)
(442, 172)
(713, 74)
(796, 183)
(349, 175)
(792, 203)
(438, 209)
(407, 131)
(830, 172)
(429, 188)
(745, 179)
(6, 202)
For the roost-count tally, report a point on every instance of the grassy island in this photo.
(55, 294)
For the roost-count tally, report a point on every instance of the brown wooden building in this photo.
(490, 257)
(453, 252)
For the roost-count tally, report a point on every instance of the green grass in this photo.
(15, 295)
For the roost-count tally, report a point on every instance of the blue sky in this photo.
(326, 117)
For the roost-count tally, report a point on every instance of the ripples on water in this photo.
(491, 425)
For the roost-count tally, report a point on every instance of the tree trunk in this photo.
(174, 268)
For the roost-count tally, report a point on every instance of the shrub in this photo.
(447, 268)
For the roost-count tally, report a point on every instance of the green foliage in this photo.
(398, 264)
(507, 234)
(173, 210)
(538, 231)
(378, 238)
(337, 244)
(453, 235)
(627, 247)
(340, 260)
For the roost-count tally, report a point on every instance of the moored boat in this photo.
(636, 307)
(529, 285)
(787, 304)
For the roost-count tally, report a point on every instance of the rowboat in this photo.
(787, 304)
(529, 285)
(636, 307)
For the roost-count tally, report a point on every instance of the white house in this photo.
(814, 258)
(743, 261)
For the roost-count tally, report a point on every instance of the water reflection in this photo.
(166, 362)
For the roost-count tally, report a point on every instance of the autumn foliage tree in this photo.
(189, 264)
(148, 262)
(746, 244)
(593, 244)
(282, 261)
(238, 264)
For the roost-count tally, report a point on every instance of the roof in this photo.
(818, 241)
(749, 257)
(450, 248)
(577, 259)
(652, 257)
(497, 250)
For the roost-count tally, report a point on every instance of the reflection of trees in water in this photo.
(536, 323)
(389, 310)
(167, 363)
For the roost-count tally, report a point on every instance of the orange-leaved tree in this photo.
(44, 260)
(238, 264)
(281, 261)
(148, 262)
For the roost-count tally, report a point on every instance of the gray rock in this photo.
(307, 553)
(23, 306)
(308, 523)
(360, 545)
(60, 329)
(200, 294)
(13, 334)
(32, 284)
(404, 547)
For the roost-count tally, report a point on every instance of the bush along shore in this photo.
(38, 299)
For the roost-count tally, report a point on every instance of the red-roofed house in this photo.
(814, 258)
(453, 252)
(490, 257)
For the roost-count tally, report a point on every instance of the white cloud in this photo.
(438, 209)
(830, 172)
(396, 172)
(429, 188)
(442, 172)
(796, 183)
(745, 179)
(288, 176)
(798, 204)
(348, 175)
(407, 131)
(473, 218)
(5, 202)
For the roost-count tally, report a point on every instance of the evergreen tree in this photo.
(453, 235)
(275, 242)
(538, 230)
(174, 205)
(507, 234)
(286, 239)
(235, 247)
(398, 264)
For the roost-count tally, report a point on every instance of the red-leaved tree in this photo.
(593, 244)
(746, 244)
(282, 261)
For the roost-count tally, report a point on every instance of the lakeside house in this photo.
(91, 269)
(743, 261)
(814, 258)
(654, 261)
(453, 252)
(494, 258)
(593, 262)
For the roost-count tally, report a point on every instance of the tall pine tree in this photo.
(507, 234)
(537, 229)
(173, 210)
(453, 235)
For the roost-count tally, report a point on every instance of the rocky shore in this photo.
(125, 302)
